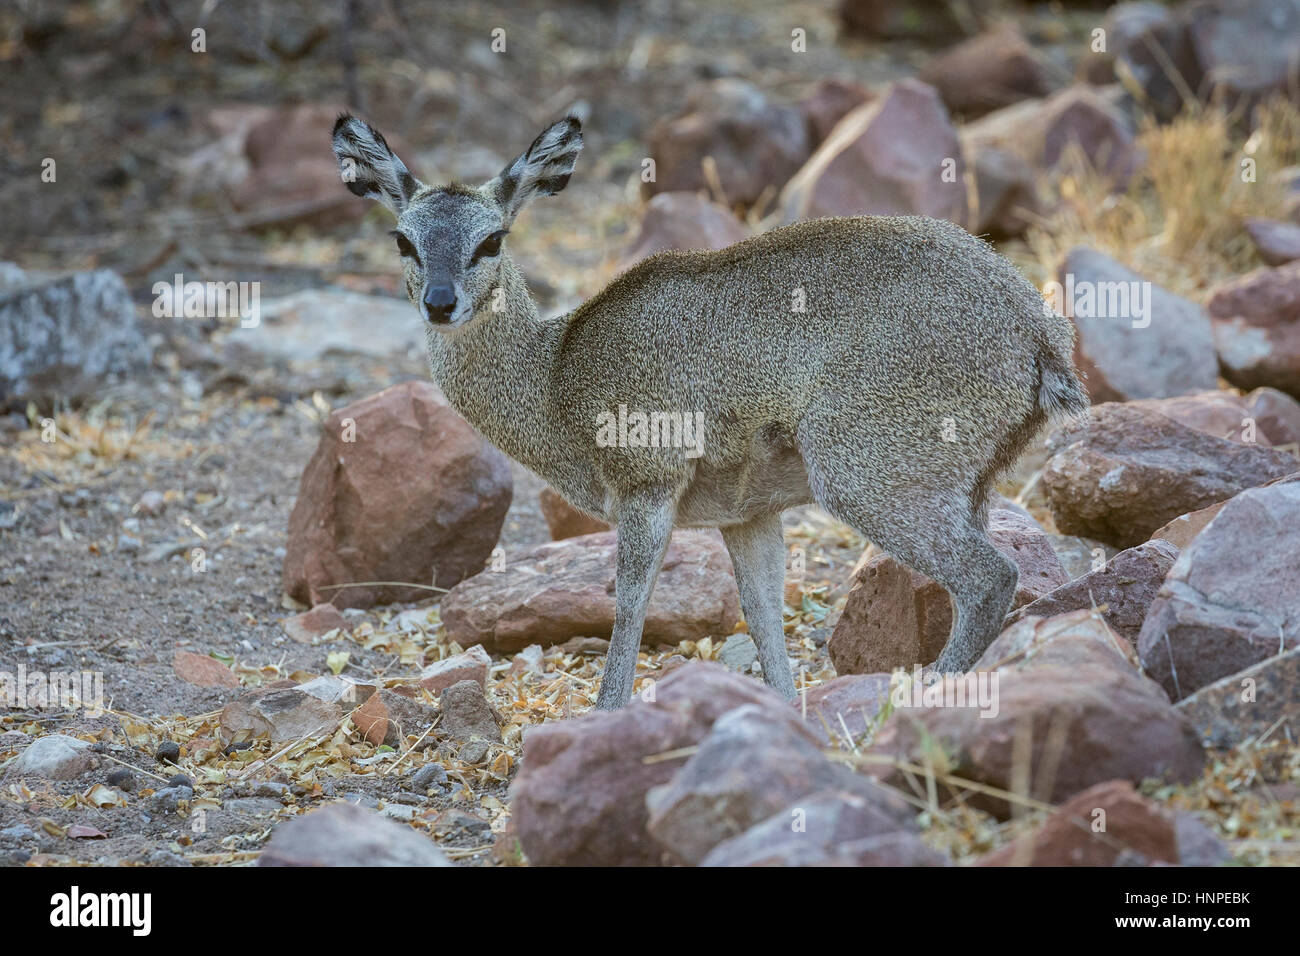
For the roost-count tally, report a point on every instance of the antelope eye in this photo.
(404, 246)
(490, 246)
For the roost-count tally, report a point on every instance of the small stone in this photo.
(466, 713)
(128, 544)
(429, 776)
(56, 757)
(168, 752)
(309, 625)
(344, 835)
(123, 778)
(739, 653)
(472, 664)
(151, 504)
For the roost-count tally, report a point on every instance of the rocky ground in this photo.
(182, 501)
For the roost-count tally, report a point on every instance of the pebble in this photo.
(168, 752)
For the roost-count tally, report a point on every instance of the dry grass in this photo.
(1179, 222)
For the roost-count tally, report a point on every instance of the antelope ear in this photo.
(543, 169)
(369, 168)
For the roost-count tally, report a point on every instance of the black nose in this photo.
(439, 303)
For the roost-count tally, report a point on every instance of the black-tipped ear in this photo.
(543, 169)
(368, 167)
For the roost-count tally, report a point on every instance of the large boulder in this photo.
(1073, 713)
(1135, 339)
(1123, 588)
(400, 488)
(755, 145)
(755, 760)
(987, 72)
(1127, 470)
(579, 796)
(684, 220)
(897, 617)
(1256, 320)
(565, 589)
(828, 103)
(897, 155)
(66, 337)
(1232, 598)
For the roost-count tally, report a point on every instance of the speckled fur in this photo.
(921, 366)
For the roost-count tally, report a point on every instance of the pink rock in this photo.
(896, 617)
(683, 220)
(564, 520)
(400, 488)
(886, 158)
(1232, 599)
(755, 145)
(1256, 321)
(988, 71)
(580, 795)
(829, 102)
(565, 589)
(1278, 242)
(202, 670)
(473, 665)
(309, 625)
(1127, 470)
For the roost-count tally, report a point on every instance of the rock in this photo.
(340, 834)
(284, 182)
(67, 337)
(1127, 470)
(1256, 321)
(123, 778)
(1245, 49)
(1005, 200)
(848, 704)
(1276, 415)
(429, 776)
(1079, 710)
(1262, 701)
(473, 665)
(311, 324)
(564, 520)
(202, 671)
(151, 504)
(344, 691)
(1041, 131)
(169, 751)
(755, 760)
(987, 72)
(897, 617)
(171, 799)
(1093, 829)
(1183, 530)
(896, 20)
(579, 796)
(400, 488)
(55, 757)
(1123, 589)
(886, 158)
(406, 717)
(466, 712)
(288, 713)
(1221, 414)
(319, 621)
(756, 145)
(830, 101)
(1277, 242)
(1231, 600)
(531, 660)
(738, 653)
(1070, 636)
(1149, 46)
(677, 220)
(371, 719)
(1135, 340)
(837, 828)
(565, 589)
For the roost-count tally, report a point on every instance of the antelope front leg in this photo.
(757, 550)
(644, 526)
